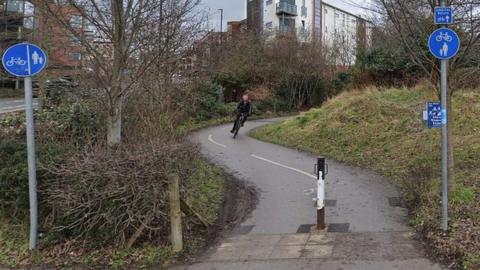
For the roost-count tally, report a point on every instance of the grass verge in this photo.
(383, 131)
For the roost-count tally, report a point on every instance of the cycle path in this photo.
(367, 226)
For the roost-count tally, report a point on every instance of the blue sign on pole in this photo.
(24, 60)
(444, 43)
(443, 15)
(435, 115)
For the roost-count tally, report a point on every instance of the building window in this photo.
(75, 41)
(76, 21)
(304, 9)
(269, 2)
(75, 56)
(15, 5)
(269, 26)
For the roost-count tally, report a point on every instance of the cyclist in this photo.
(245, 107)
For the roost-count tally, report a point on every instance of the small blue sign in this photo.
(444, 43)
(435, 115)
(443, 15)
(24, 60)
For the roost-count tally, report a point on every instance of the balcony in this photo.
(284, 8)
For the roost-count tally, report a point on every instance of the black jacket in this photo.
(244, 107)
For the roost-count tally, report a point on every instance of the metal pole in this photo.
(32, 171)
(444, 97)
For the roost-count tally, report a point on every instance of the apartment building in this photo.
(310, 20)
(282, 16)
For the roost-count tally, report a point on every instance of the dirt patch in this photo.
(240, 199)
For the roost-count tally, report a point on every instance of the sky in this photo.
(235, 10)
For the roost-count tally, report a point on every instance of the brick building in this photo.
(65, 50)
(22, 21)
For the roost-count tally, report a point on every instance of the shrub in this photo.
(105, 195)
(74, 122)
(233, 85)
(385, 65)
(302, 90)
(209, 95)
(271, 104)
(59, 129)
(340, 82)
(13, 177)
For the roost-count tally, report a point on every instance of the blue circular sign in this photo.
(444, 43)
(24, 60)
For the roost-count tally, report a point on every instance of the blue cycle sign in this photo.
(443, 15)
(444, 43)
(24, 60)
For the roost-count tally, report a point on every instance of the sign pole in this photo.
(32, 172)
(26, 60)
(444, 97)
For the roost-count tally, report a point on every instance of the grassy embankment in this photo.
(383, 131)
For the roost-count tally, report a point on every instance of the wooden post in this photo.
(175, 214)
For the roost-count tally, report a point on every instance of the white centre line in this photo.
(285, 166)
(210, 138)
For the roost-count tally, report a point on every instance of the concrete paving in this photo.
(373, 233)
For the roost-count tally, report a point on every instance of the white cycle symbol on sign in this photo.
(16, 61)
(443, 36)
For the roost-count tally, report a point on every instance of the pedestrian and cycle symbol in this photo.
(435, 115)
(443, 15)
(444, 43)
(24, 60)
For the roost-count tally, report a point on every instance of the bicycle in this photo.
(443, 36)
(16, 61)
(238, 125)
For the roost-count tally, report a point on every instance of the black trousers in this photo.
(238, 117)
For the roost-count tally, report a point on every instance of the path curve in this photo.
(359, 201)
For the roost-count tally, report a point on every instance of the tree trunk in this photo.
(114, 128)
(451, 160)
(114, 121)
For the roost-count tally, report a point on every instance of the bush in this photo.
(301, 90)
(385, 65)
(104, 195)
(74, 122)
(59, 130)
(233, 85)
(340, 82)
(13, 177)
(209, 95)
(271, 104)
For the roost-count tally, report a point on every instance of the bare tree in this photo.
(135, 37)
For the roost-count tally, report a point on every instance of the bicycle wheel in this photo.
(237, 128)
